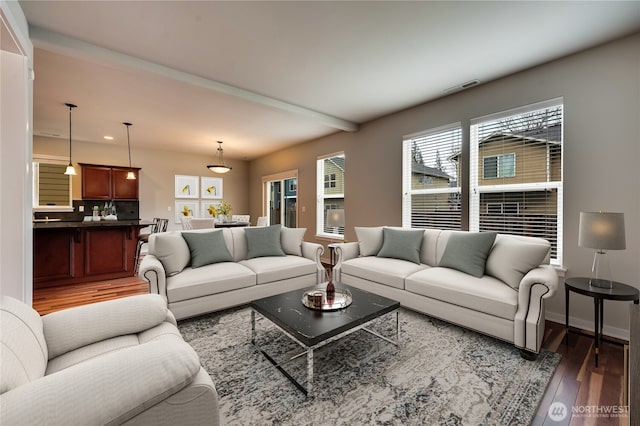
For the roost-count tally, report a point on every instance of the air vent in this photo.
(462, 86)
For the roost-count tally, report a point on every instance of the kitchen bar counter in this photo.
(67, 253)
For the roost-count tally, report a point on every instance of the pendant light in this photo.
(70, 169)
(130, 174)
(220, 167)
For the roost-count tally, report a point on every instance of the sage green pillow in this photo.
(401, 244)
(263, 241)
(468, 251)
(207, 248)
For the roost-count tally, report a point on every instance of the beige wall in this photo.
(601, 90)
(157, 174)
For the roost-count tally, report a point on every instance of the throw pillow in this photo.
(171, 250)
(401, 244)
(467, 252)
(291, 240)
(263, 241)
(369, 240)
(512, 257)
(206, 248)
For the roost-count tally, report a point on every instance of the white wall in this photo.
(601, 91)
(156, 179)
(16, 103)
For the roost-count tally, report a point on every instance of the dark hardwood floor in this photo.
(576, 383)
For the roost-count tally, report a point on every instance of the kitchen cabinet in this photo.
(108, 183)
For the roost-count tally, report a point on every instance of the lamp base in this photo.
(595, 282)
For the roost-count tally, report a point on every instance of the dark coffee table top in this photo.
(310, 326)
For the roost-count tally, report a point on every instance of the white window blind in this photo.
(330, 193)
(431, 186)
(516, 173)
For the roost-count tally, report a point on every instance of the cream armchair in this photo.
(117, 362)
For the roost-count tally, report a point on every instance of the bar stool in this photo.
(158, 225)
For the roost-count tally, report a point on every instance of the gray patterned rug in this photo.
(440, 374)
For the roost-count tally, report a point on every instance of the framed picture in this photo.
(211, 188)
(186, 186)
(205, 208)
(186, 208)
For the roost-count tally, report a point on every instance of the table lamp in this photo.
(601, 231)
(335, 219)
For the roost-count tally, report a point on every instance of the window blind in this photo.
(516, 173)
(431, 186)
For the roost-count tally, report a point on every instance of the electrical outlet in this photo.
(168, 208)
(80, 208)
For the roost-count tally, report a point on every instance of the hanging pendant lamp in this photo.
(219, 167)
(70, 169)
(130, 174)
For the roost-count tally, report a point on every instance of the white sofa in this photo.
(109, 363)
(505, 299)
(251, 267)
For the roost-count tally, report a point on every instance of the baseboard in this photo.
(618, 333)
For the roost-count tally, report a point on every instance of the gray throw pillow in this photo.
(207, 248)
(467, 252)
(401, 244)
(263, 241)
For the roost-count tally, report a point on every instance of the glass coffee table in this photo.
(312, 328)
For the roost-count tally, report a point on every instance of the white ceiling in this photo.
(263, 75)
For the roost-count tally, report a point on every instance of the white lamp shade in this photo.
(335, 218)
(602, 231)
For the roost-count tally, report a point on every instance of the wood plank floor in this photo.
(577, 383)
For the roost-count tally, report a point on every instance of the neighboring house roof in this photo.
(338, 161)
(551, 135)
(426, 170)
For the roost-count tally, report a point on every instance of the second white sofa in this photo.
(495, 284)
(203, 271)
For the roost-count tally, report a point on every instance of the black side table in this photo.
(619, 291)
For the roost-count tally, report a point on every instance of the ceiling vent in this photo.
(463, 86)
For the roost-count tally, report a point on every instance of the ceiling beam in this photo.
(59, 43)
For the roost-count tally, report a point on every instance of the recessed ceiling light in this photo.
(109, 138)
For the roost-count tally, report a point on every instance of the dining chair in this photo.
(158, 225)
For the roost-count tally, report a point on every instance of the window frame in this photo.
(499, 167)
(321, 196)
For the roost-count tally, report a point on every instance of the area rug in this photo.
(439, 374)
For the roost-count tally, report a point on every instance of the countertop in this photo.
(80, 224)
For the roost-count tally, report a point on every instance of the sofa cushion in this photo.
(270, 269)
(171, 250)
(429, 248)
(468, 251)
(291, 240)
(264, 241)
(369, 240)
(23, 349)
(209, 279)
(486, 294)
(401, 244)
(382, 270)
(206, 248)
(512, 257)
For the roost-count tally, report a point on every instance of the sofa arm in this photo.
(344, 251)
(109, 389)
(538, 284)
(313, 251)
(152, 271)
(73, 328)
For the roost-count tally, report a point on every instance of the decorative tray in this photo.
(341, 299)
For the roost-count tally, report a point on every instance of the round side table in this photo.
(582, 286)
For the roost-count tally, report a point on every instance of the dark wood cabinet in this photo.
(108, 183)
(83, 252)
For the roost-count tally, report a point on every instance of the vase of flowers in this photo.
(223, 211)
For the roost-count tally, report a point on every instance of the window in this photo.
(523, 197)
(431, 188)
(499, 166)
(51, 187)
(330, 193)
